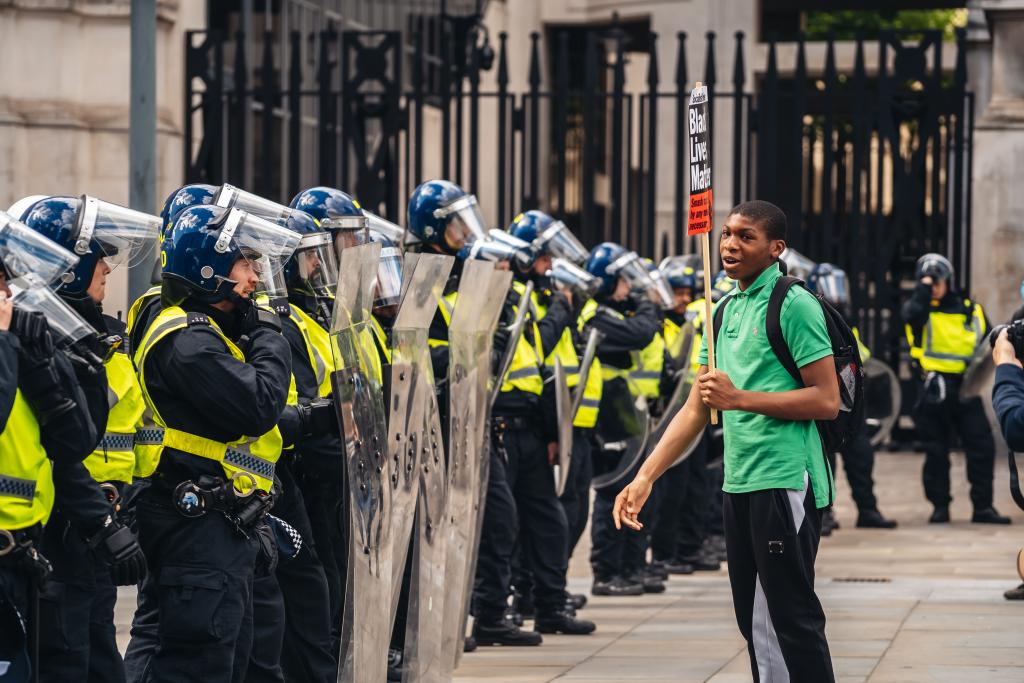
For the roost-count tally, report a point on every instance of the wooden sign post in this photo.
(701, 215)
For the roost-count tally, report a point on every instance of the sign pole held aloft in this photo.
(701, 213)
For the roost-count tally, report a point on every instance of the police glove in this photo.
(89, 354)
(260, 316)
(267, 551)
(118, 548)
(34, 336)
(317, 418)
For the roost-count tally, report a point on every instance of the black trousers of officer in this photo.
(203, 571)
(17, 612)
(771, 541)
(521, 503)
(616, 552)
(76, 611)
(858, 463)
(936, 424)
(576, 497)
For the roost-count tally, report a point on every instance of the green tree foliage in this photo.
(844, 24)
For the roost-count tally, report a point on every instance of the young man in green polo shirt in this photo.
(777, 479)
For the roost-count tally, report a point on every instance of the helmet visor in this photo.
(389, 278)
(230, 197)
(523, 255)
(835, 287)
(570, 276)
(318, 263)
(559, 241)
(265, 245)
(660, 289)
(392, 231)
(31, 293)
(465, 222)
(797, 264)
(124, 236)
(487, 250)
(24, 251)
(630, 268)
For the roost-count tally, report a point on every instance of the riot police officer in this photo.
(215, 372)
(830, 282)
(45, 417)
(80, 601)
(551, 239)
(629, 325)
(943, 327)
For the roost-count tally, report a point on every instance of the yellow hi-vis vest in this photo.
(695, 311)
(114, 457)
(382, 338)
(26, 483)
(447, 307)
(644, 373)
(565, 350)
(524, 372)
(608, 372)
(865, 352)
(138, 304)
(256, 456)
(949, 339)
(318, 348)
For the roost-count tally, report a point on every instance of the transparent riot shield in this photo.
(979, 373)
(622, 433)
(358, 395)
(563, 408)
(481, 295)
(412, 447)
(882, 400)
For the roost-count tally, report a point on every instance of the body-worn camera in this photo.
(1014, 333)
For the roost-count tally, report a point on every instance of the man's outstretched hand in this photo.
(629, 503)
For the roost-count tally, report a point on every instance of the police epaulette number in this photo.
(194, 318)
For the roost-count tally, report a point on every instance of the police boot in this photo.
(989, 516)
(562, 621)
(678, 567)
(616, 586)
(1015, 593)
(657, 568)
(650, 583)
(704, 560)
(469, 644)
(940, 515)
(499, 631)
(576, 600)
(873, 519)
(829, 523)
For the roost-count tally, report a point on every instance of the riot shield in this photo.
(622, 433)
(979, 373)
(411, 445)
(358, 395)
(515, 332)
(882, 400)
(564, 415)
(470, 336)
(680, 349)
(586, 365)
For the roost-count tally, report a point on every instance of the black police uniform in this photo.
(203, 566)
(631, 330)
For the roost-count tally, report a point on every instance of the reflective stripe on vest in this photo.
(255, 456)
(140, 303)
(949, 339)
(590, 309)
(114, 457)
(645, 377)
(524, 372)
(865, 352)
(26, 485)
(446, 307)
(381, 337)
(318, 348)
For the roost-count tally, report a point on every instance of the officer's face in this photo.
(939, 289)
(246, 276)
(502, 265)
(684, 297)
(98, 287)
(746, 250)
(542, 265)
(4, 289)
(621, 290)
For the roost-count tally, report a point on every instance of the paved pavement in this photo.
(921, 603)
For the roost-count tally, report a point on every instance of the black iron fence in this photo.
(871, 165)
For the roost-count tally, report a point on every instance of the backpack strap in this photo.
(716, 323)
(773, 325)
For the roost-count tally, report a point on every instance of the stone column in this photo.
(997, 261)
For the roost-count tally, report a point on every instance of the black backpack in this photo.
(849, 367)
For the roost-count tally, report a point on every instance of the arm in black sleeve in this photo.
(74, 435)
(1018, 314)
(8, 375)
(80, 497)
(95, 387)
(554, 322)
(1008, 402)
(628, 334)
(439, 354)
(248, 396)
(290, 426)
(915, 309)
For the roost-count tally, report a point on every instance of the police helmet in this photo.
(181, 199)
(600, 265)
(831, 283)
(442, 213)
(529, 225)
(24, 251)
(332, 208)
(682, 272)
(93, 229)
(935, 266)
(206, 241)
(313, 268)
